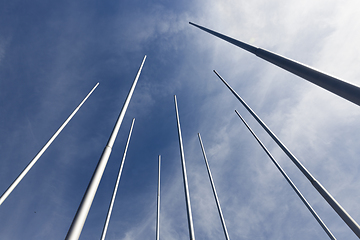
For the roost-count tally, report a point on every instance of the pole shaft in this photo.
(186, 187)
(83, 210)
(339, 87)
(158, 203)
(125, 106)
(316, 216)
(43, 149)
(117, 184)
(214, 190)
(354, 226)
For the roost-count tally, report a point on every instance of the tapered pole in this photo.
(83, 210)
(186, 187)
(158, 203)
(43, 149)
(214, 190)
(323, 80)
(354, 226)
(117, 184)
(318, 219)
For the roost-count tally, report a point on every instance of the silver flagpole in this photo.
(354, 226)
(322, 224)
(83, 210)
(38, 155)
(186, 187)
(330, 83)
(214, 190)
(116, 184)
(158, 204)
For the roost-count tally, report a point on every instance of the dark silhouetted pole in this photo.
(332, 84)
(117, 184)
(322, 224)
(326, 195)
(43, 149)
(83, 210)
(214, 190)
(186, 187)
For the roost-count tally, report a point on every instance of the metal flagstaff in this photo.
(38, 155)
(117, 184)
(330, 83)
(158, 203)
(354, 226)
(83, 210)
(186, 187)
(214, 190)
(322, 224)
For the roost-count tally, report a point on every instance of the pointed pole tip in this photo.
(236, 111)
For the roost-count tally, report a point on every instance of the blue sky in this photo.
(53, 53)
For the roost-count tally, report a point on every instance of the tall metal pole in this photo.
(214, 190)
(158, 204)
(186, 187)
(354, 226)
(83, 210)
(43, 149)
(117, 184)
(330, 83)
(322, 224)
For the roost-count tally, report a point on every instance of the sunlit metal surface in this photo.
(330, 83)
(103, 234)
(83, 210)
(43, 149)
(186, 187)
(322, 224)
(354, 226)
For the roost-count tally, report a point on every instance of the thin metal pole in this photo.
(117, 184)
(43, 149)
(353, 225)
(83, 210)
(214, 190)
(322, 224)
(186, 187)
(339, 87)
(158, 204)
